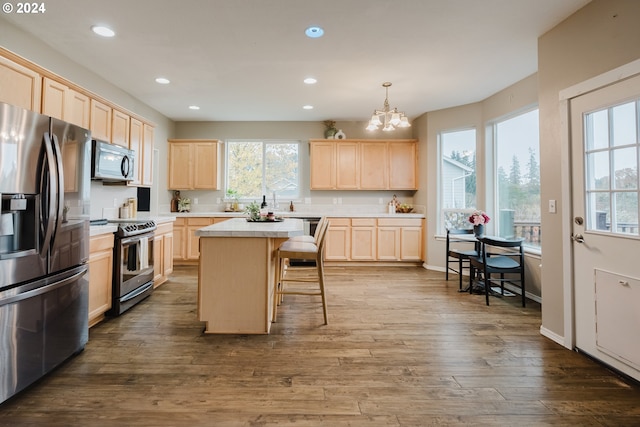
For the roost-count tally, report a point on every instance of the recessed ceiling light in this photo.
(314, 32)
(194, 107)
(163, 81)
(103, 31)
(310, 81)
(307, 107)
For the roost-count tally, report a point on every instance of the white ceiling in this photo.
(246, 59)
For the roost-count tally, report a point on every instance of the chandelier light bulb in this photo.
(392, 118)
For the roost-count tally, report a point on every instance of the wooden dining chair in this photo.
(323, 222)
(499, 257)
(292, 249)
(463, 248)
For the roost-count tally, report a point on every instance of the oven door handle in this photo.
(135, 239)
(140, 290)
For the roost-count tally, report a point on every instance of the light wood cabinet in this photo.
(338, 245)
(100, 276)
(363, 164)
(363, 239)
(20, 86)
(408, 238)
(135, 143)
(120, 123)
(388, 248)
(162, 253)
(323, 165)
(64, 103)
(186, 248)
(100, 121)
(193, 165)
(148, 136)
(347, 165)
(374, 157)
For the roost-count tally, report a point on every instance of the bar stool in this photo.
(312, 239)
(301, 250)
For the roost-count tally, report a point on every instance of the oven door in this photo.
(135, 263)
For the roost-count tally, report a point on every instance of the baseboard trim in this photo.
(559, 339)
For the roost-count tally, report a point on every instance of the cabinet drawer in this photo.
(164, 228)
(102, 242)
(339, 222)
(363, 222)
(399, 222)
(180, 221)
(199, 221)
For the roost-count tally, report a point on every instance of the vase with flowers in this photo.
(330, 129)
(479, 219)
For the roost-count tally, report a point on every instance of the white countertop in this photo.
(97, 230)
(297, 215)
(240, 227)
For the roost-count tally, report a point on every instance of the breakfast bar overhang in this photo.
(236, 273)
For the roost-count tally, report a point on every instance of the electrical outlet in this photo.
(552, 206)
(218, 201)
(335, 201)
(195, 200)
(115, 202)
(339, 200)
(380, 201)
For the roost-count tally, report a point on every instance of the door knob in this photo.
(577, 238)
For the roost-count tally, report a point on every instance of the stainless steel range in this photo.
(132, 264)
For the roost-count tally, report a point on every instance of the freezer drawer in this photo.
(42, 324)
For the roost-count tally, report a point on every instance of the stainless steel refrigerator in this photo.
(44, 245)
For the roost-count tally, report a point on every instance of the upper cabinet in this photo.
(120, 123)
(193, 164)
(19, 85)
(64, 103)
(363, 164)
(100, 121)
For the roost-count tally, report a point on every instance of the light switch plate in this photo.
(552, 206)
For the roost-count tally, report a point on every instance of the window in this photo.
(611, 162)
(257, 168)
(517, 177)
(457, 177)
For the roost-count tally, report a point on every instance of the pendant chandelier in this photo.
(392, 119)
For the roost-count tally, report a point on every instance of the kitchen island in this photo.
(236, 273)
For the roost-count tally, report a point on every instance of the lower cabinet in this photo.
(186, 245)
(162, 253)
(374, 239)
(100, 276)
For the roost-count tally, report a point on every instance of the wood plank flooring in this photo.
(402, 348)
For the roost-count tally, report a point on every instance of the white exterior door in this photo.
(605, 154)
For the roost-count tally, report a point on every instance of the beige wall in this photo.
(601, 36)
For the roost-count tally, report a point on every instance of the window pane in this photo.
(598, 175)
(625, 168)
(626, 212)
(281, 172)
(517, 148)
(624, 124)
(457, 177)
(600, 214)
(244, 168)
(597, 130)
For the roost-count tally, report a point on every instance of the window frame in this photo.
(264, 142)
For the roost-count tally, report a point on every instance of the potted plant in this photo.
(233, 195)
(253, 211)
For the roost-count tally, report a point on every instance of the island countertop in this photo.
(240, 227)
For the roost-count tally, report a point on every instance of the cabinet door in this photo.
(78, 109)
(100, 275)
(158, 259)
(373, 166)
(338, 245)
(100, 121)
(120, 128)
(168, 254)
(411, 244)
(347, 166)
(179, 240)
(54, 98)
(193, 241)
(388, 243)
(363, 243)
(180, 175)
(402, 166)
(205, 160)
(135, 144)
(147, 155)
(322, 165)
(20, 86)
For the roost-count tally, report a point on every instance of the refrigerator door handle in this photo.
(60, 183)
(49, 188)
(44, 289)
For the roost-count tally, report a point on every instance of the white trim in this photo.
(553, 336)
(604, 79)
(610, 77)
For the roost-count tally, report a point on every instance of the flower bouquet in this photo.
(478, 218)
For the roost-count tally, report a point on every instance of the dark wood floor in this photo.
(403, 348)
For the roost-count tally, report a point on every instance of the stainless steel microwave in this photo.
(110, 162)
